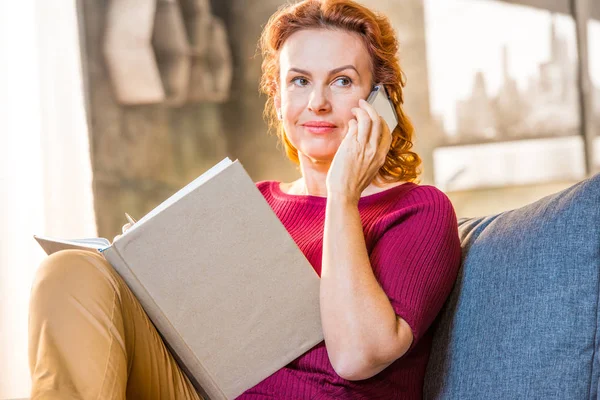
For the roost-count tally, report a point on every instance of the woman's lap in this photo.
(90, 338)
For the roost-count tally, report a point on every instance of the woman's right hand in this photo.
(124, 229)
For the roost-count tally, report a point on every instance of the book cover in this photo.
(224, 283)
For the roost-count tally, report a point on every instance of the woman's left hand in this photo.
(361, 154)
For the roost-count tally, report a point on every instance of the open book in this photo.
(222, 280)
(51, 245)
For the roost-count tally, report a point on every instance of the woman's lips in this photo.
(319, 127)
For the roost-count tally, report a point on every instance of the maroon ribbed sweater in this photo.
(412, 239)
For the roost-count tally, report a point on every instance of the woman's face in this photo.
(323, 75)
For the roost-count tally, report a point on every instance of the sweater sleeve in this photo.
(417, 258)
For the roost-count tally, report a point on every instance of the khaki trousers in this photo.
(89, 337)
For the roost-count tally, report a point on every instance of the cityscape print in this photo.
(506, 109)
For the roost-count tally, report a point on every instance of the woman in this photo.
(386, 248)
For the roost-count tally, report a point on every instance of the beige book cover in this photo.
(222, 280)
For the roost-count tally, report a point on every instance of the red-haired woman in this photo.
(386, 248)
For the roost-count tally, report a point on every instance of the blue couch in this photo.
(522, 319)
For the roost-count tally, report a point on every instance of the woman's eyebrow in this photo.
(333, 71)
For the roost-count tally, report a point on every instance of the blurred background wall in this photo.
(143, 153)
(110, 106)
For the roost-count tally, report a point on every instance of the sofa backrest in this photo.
(522, 319)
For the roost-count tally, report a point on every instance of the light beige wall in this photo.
(483, 202)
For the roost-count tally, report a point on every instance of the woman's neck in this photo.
(313, 180)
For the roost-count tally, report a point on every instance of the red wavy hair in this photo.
(376, 31)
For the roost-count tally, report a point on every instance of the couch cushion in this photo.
(522, 319)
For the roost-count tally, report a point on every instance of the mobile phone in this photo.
(379, 99)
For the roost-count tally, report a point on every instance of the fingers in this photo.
(352, 130)
(371, 131)
(365, 122)
(379, 130)
(380, 138)
(123, 229)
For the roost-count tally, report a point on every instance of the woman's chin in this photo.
(322, 151)
(319, 157)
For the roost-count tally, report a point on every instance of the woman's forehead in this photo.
(322, 50)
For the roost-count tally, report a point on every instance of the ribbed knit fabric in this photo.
(412, 238)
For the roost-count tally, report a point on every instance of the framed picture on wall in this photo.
(504, 94)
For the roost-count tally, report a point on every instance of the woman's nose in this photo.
(318, 102)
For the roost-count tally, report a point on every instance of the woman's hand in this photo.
(123, 229)
(360, 155)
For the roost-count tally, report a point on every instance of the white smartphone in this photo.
(379, 99)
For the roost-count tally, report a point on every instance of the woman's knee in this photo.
(69, 271)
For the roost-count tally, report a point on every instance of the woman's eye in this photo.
(301, 81)
(299, 78)
(345, 79)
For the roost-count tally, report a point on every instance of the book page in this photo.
(52, 245)
(94, 242)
